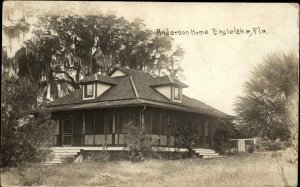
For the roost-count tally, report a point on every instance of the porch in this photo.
(96, 128)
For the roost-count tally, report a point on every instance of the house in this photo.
(98, 113)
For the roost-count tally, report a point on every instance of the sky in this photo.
(215, 65)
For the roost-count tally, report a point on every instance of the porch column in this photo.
(83, 129)
(204, 133)
(114, 137)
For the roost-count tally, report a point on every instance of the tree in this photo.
(186, 135)
(64, 49)
(270, 97)
(26, 128)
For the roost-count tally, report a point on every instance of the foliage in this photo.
(221, 141)
(26, 128)
(265, 110)
(251, 149)
(266, 144)
(139, 146)
(186, 135)
(225, 131)
(98, 156)
(64, 49)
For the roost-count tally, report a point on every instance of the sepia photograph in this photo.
(97, 93)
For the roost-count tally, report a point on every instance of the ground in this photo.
(256, 169)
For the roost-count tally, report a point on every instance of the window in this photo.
(88, 90)
(172, 123)
(155, 121)
(206, 128)
(123, 121)
(177, 94)
(89, 122)
(109, 123)
(99, 122)
(77, 123)
(147, 116)
(134, 117)
(164, 123)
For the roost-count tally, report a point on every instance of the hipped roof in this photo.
(136, 88)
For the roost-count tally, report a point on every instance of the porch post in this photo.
(114, 124)
(114, 129)
(212, 134)
(94, 126)
(204, 133)
(83, 128)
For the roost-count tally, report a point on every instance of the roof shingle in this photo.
(134, 89)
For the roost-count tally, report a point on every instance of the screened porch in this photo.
(109, 126)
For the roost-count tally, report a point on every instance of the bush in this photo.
(265, 144)
(224, 132)
(186, 135)
(26, 128)
(251, 149)
(139, 146)
(221, 141)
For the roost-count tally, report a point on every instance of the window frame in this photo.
(86, 95)
(179, 93)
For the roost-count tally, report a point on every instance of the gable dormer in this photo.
(169, 87)
(117, 73)
(95, 85)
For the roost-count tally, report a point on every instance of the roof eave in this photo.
(169, 84)
(96, 81)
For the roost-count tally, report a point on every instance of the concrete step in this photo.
(200, 152)
(66, 154)
(68, 148)
(66, 151)
(204, 150)
(60, 153)
(208, 154)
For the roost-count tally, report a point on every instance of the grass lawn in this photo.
(257, 169)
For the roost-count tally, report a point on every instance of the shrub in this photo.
(26, 127)
(221, 141)
(224, 132)
(139, 146)
(186, 135)
(265, 144)
(251, 149)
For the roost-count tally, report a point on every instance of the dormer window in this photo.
(177, 93)
(88, 90)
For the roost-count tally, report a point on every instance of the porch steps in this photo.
(206, 153)
(59, 153)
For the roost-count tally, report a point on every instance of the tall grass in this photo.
(257, 169)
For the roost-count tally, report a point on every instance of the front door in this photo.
(67, 132)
